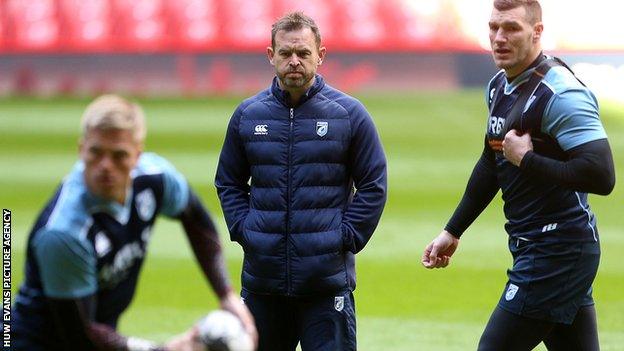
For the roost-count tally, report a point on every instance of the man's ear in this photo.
(322, 53)
(270, 55)
(538, 29)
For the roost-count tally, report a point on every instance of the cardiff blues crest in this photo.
(511, 292)
(339, 303)
(321, 128)
(146, 204)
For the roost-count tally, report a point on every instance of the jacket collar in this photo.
(283, 96)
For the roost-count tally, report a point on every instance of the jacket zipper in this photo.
(288, 197)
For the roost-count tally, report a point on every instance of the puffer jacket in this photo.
(299, 220)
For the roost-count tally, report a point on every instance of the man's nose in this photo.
(294, 60)
(106, 162)
(500, 36)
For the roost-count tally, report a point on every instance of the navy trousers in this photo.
(319, 323)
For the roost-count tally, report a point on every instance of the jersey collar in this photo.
(96, 204)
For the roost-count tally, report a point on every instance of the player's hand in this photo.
(233, 303)
(188, 341)
(438, 253)
(516, 146)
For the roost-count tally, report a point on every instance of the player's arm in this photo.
(232, 179)
(179, 201)
(367, 163)
(589, 169)
(572, 119)
(67, 268)
(204, 240)
(480, 190)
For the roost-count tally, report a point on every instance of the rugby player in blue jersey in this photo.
(552, 154)
(87, 247)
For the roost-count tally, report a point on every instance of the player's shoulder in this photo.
(559, 80)
(69, 213)
(497, 82)
(151, 163)
(54, 239)
(497, 79)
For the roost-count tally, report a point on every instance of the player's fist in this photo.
(515, 146)
(438, 253)
(233, 303)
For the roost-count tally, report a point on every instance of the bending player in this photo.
(87, 247)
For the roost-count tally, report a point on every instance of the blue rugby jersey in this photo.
(560, 115)
(82, 245)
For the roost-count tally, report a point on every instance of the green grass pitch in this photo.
(432, 141)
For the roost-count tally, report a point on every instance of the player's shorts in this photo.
(550, 280)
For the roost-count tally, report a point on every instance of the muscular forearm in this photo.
(204, 240)
(589, 169)
(481, 189)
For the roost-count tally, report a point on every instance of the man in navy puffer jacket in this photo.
(291, 159)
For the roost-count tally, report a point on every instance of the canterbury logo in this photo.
(261, 129)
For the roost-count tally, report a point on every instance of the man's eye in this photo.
(119, 156)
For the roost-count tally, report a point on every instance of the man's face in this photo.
(296, 58)
(109, 156)
(514, 41)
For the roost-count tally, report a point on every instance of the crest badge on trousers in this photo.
(511, 292)
(321, 128)
(339, 303)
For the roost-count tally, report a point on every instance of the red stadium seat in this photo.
(140, 25)
(247, 23)
(324, 12)
(194, 23)
(34, 23)
(3, 25)
(86, 25)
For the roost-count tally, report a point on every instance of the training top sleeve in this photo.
(66, 263)
(176, 190)
(572, 118)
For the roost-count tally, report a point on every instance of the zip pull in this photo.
(292, 113)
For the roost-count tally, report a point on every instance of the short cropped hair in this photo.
(112, 112)
(532, 7)
(295, 21)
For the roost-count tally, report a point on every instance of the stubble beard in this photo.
(295, 83)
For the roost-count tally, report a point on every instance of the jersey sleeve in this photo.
(67, 265)
(175, 187)
(176, 191)
(572, 118)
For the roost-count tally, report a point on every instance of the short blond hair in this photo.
(113, 112)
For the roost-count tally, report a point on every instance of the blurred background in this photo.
(203, 47)
(419, 66)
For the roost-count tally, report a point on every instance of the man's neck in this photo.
(537, 58)
(295, 94)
